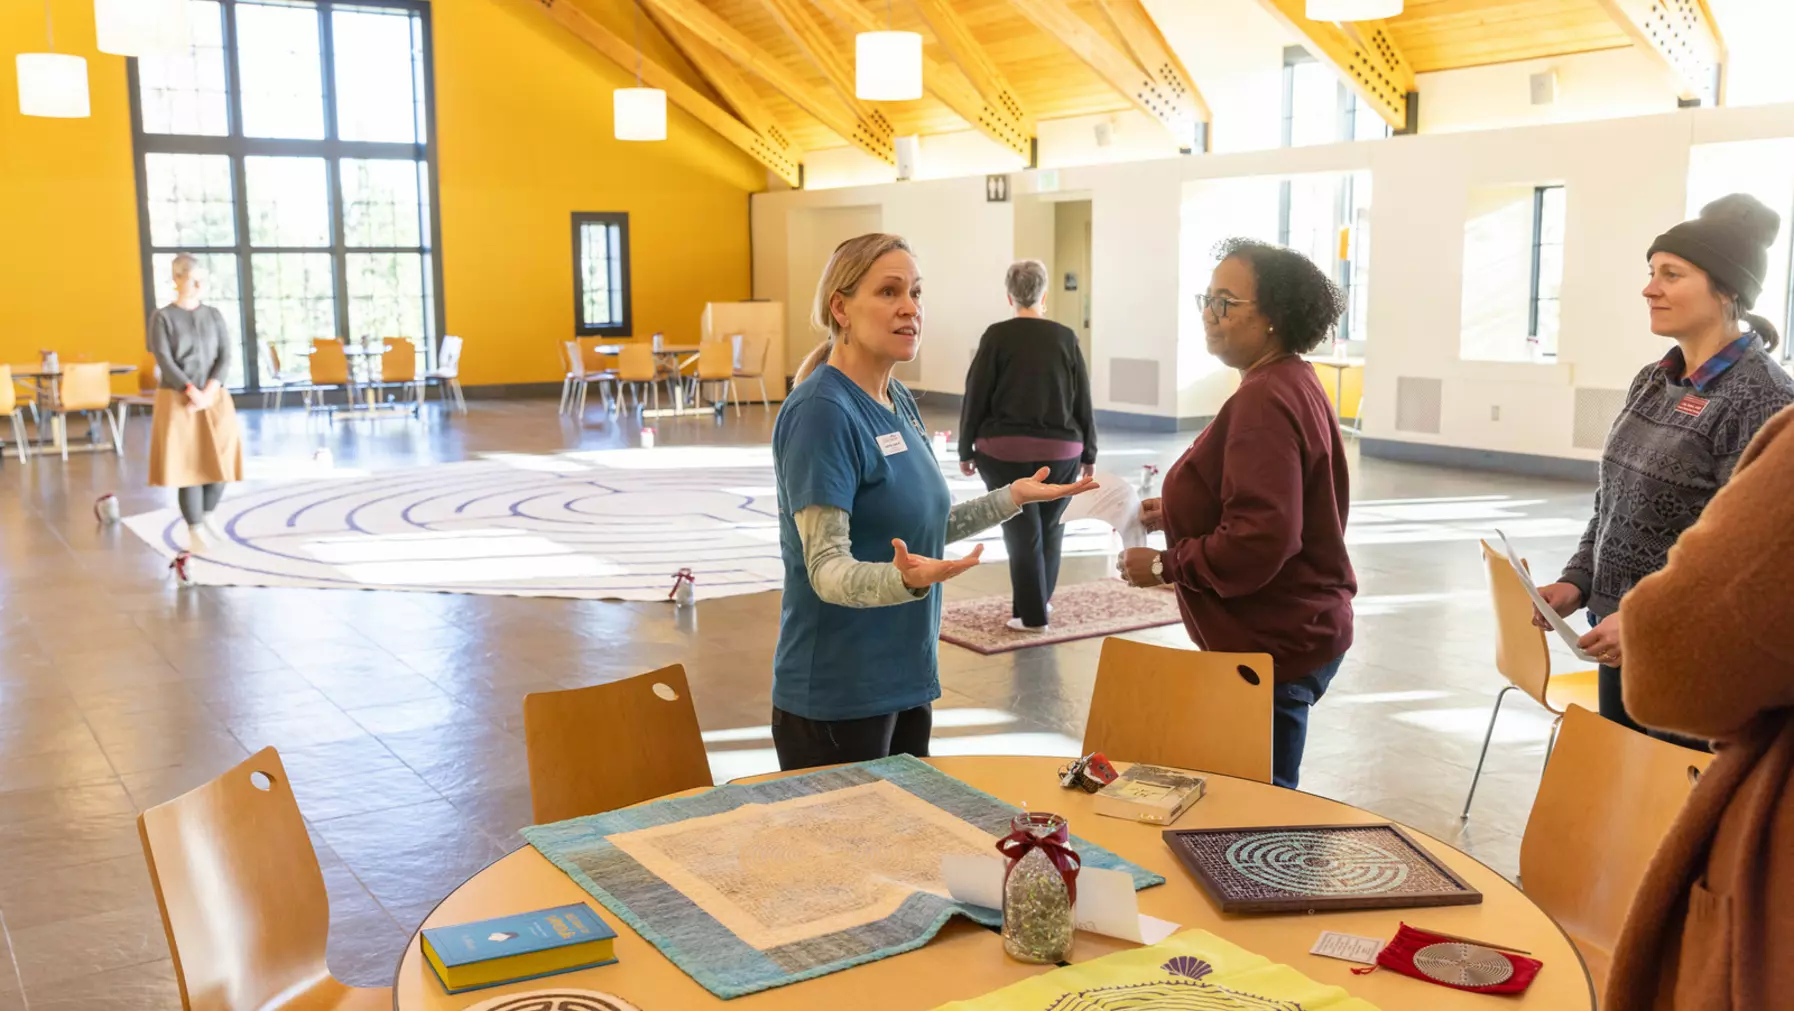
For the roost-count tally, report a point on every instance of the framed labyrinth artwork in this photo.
(1314, 868)
(556, 1000)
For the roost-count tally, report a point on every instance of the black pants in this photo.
(198, 501)
(805, 743)
(1032, 536)
(1613, 707)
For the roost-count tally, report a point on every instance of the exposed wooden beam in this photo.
(776, 157)
(728, 81)
(1682, 35)
(1136, 27)
(1177, 112)
(1362, 53)
(872, 137)
(996, 109)
(801, 28)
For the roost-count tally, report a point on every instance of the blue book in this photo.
(510, 949)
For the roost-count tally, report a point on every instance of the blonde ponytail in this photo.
(846, 268)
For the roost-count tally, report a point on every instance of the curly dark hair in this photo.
(1301, 303)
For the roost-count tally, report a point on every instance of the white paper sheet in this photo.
(1106, 900)
(1347, 947)
(1569, 635)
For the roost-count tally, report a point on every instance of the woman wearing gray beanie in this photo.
(1687, 418)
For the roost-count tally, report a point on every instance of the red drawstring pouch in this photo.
(1399, 954)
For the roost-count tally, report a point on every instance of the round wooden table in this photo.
(965, 960)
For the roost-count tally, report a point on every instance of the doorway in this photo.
(1070, 286)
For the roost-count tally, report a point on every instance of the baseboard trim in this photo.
(511, 391)
(1126, 421)
(1524, 464)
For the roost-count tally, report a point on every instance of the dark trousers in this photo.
(1033, 536)
(197, 501)
(805, 744)
(1289, 721)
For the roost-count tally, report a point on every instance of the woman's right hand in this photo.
(1564, 598)
(197, 399)
(919, 571)
(1152, 514)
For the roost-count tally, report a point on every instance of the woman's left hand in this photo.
(1603, 642)
(1135, 565)
(1035, 489)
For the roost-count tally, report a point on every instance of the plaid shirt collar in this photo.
(1673, 364)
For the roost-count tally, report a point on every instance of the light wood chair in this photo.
(11, 407)
(329, 371)
(85, 388)
(600, 368)
(447, 373)
(1608, 797)
(1184, 708)
(758, 372)
(609, 746)
(639, 368)
(242, 897)
(578, 384)
(717, 358)
(1523, 658)
(398, 371)
(276, 381)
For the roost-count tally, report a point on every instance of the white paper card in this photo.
(1107, 903)
(1347, 947)
(891, 443)
(1560, 626)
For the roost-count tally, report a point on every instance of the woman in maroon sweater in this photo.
(1254, 512)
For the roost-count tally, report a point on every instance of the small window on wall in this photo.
(1513, 273)
(601, 274)
(1318, 108)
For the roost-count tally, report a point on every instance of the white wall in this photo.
(1154, 220)
(1496, 310)
(1601, 85)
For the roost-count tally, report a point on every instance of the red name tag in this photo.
(1692, 406)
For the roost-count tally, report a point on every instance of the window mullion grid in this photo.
(339, 261)
(233, 92)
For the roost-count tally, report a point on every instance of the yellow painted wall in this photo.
(69, 274)
(523, 115)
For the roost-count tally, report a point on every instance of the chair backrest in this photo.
(448, 356)
(398, 363)
(9, 398)
(329, 366)
(716, 360)
(761, 343)
(1608, 797)
(572, 360)
(149, 375)
(637, 364)
(86, 386)
(242, 897)
(1520, 651)
(609, 746)
(1184, 708)
(589, 356)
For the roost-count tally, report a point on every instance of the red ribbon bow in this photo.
(1017, 844)
(682, 576)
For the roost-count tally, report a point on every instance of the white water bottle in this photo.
(647, 438)
(322, 458)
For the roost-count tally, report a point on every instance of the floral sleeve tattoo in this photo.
(980, 514)
(838, 577)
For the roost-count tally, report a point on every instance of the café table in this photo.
(43, 384)
(669, 354)
(1339, 366)
(965, 960)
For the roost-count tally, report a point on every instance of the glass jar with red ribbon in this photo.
(1040, 888)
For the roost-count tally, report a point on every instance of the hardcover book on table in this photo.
(1150, 793)
(510, 949)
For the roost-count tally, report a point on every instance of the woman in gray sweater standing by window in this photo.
(194, 444)
(1687, 418)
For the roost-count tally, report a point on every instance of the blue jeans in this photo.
(1289, 720)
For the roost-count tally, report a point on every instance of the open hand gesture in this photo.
(1035, 489)
(919, 571)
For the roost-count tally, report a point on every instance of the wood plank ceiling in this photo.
(1453, 34)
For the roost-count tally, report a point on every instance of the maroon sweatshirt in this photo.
(1255, 515)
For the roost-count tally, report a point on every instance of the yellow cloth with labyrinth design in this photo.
(1191, 971)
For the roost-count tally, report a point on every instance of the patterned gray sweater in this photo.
(1673, 445)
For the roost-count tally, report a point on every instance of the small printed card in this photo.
(1347, 947)
(892, 443)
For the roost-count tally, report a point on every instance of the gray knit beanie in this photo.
(1730, 241)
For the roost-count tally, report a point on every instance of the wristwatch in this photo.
(1158, 567)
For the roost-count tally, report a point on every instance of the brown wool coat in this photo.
(1709, 648)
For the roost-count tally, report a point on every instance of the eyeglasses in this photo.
(1219, 303)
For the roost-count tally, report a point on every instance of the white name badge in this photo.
(892, 443)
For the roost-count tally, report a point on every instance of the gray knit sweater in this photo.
(1673, 445)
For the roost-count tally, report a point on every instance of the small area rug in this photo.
(752, 886)
(1080, 611)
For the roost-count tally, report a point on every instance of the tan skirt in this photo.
(190, 447)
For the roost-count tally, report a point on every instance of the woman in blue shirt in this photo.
(855, 673)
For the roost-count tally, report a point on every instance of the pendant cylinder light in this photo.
(887, 66)
(640, 113)
(53, 85)
(141, 27)
(1353, 10)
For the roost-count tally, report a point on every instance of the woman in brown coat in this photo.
(194, 443)
(1710, 653)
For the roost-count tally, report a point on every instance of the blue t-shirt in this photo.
(845, 663)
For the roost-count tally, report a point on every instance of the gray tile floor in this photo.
(399, 715)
